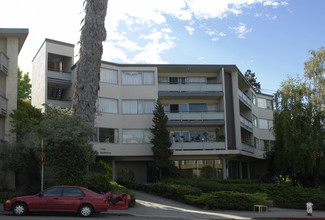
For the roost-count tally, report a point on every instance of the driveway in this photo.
(152, 206)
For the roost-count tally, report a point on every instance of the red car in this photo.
(59, 198)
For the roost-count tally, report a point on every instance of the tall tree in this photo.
(252, 80)
(23, 85)
(67, 148)
(93, 33)
(315, 71)
(299, 118)
(161, 141)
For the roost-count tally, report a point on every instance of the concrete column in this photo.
(224, 169)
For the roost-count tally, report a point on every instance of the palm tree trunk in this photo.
(93, 33)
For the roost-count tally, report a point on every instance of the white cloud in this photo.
(241, 30)
(190, 29)
(221, 34)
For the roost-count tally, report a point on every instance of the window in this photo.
(263, 124)
(138, 78)
(261, 103)
(211, 80)
(54, 191)
(108, 76)
(198, 107)
(138, 106)
(105, 135)
(176, 80)
(136, 136)
(72, 191)
(256, 143)
(107, 105)
(269, 104)
(255, 120)
(108, 135)
(254, 99)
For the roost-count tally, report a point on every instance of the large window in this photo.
(138, 78)
(262, 124)
(138, 106)
(108, 76)
(136, 136)
(107, 105)
(106, 135)
(264, 103)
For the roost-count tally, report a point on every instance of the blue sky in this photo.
(270, 37)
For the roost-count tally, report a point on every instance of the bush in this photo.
(228, 200)
(100, 182)
(207, 172)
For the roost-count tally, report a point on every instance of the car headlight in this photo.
(8, 201)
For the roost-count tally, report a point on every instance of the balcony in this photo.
(60, 103)
(58, 77)
(190, 89)
(191, 118)
(247, 124)
(3, 106)
(183, 146)
(247, 148)
(4, 64)
(245, 99)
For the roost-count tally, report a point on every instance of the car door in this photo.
(72, 198)
(48, 200)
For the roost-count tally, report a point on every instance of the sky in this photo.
(270, 37)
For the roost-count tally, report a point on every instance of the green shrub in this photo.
(207, 172)
(228, 200)
(5, 196)
(100, 180)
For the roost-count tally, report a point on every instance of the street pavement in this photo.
(154, 207)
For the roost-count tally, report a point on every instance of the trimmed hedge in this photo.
(228, 200)
(282, 195)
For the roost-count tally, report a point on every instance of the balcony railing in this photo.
(4, 64)
(3, 106)
(244, 98)
(190, 87)
(56, 74)
(247, 148)
(60, 103)
(198, 146)
(190, 116)
(246, 123)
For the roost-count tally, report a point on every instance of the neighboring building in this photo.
(11, 42)
(52, 76)
(215, 116)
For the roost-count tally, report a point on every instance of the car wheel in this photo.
(19, 209)
(85, 210)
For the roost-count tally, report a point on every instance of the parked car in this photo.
(59, 198)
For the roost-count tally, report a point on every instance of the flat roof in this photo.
(21, 33)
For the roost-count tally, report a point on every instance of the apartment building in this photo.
(11, 42)
(215, 116)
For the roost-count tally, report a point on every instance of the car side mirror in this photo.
(40, 194)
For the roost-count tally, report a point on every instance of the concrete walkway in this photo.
(151, 206)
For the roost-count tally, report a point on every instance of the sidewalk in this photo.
(154, 206)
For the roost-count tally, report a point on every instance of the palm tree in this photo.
(93, 33)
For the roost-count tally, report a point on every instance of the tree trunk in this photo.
(93, 33)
